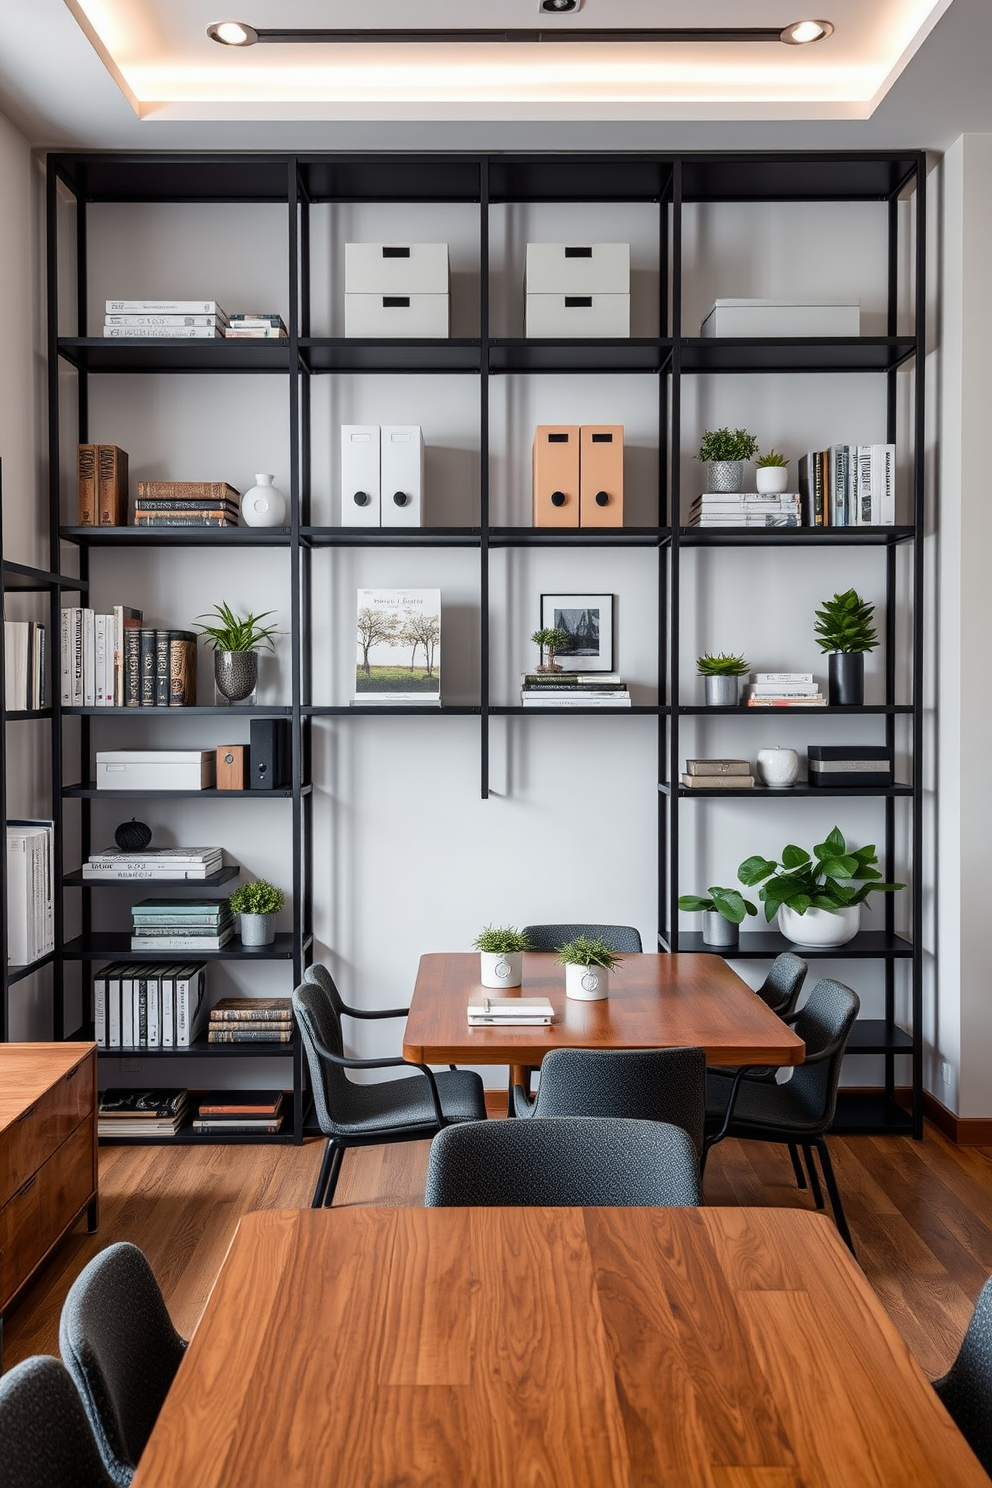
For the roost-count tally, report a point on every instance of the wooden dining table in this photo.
(548, 1348)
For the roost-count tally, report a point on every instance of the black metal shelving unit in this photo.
(666, 183)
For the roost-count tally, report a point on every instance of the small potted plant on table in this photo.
(501, 955)
(722, 678)
(722, 910)
(771, 473)
(817, 895)
(588, 961)
(844, 629)
(724, 452)
(550, 639)
(257, 903)
(236, 640)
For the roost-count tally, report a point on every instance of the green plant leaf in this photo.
(720, 665)
(732, 905)
(694, 904)
(800, 903)
(839, 867)
(794, 857)
(753, 870)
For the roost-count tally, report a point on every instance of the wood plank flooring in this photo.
(920, 1212)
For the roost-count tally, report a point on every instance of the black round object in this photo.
(602, 499)
(362, 498)
(400, 498)
(557, 498)
(132, 836)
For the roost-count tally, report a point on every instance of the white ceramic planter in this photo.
(771, 480)
(257, 929)
(820, 927)
(499, 970)
(778, 768)
(587, 983)
(264, 505)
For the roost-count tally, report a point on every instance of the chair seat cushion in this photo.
(765, 1105)
(389, 1104)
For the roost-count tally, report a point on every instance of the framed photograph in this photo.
(588, 619)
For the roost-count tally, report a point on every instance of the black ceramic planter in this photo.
(847, 679)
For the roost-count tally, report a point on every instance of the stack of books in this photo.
(146, 1005)
(573, 690)
(30, 906)
(502, 1012)
(746, 509)
(163, 863)
(178, 320)
(849, 485)
(23, 665)
(239, 1112)
(141, 1113)
(718, 774)
(251, 1020)
(784, 690)
(187, 504)
(181, 925)
(256, 325)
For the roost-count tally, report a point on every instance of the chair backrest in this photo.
(567, 1160)
(824, 1024)
(783, 984)
(966, 1388)
(317, 1005)
(119, 1345)
(622, 938)
(645, 1084)
(45, 1438)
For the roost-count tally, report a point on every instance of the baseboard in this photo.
(495, 1103)
(963, 1131)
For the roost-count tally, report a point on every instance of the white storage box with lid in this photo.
(561, 316)
(396, 289)
(578, 289)
(155, 769)
(783, 318)
(422, 316)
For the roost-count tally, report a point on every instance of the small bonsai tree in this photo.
(550, 639)
(844, 624)
(727, 444)
(728, 902)
(774, 459)
(257, 898)
(831, 877)
(718, 665)
(501, 940)
(587, 950)
(237, 632)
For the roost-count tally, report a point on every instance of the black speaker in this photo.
(270, 754)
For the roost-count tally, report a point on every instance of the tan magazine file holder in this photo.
(556, 475)
(601, 475)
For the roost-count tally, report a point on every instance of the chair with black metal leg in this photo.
(45, 1438)
(966, 1388)
(352, 1115)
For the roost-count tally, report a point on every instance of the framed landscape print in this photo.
(588, 620)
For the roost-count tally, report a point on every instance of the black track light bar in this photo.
(554, 37)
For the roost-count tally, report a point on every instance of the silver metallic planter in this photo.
(257, 929)
(235, 674)
(722, 692)
(717, 931)
(725, 475)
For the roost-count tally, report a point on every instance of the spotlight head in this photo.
(232, 33)
(801, 33)
(558, 7)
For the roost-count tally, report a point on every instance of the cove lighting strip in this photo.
(252, 34)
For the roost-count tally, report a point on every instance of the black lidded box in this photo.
(269, 753)
(834, 766)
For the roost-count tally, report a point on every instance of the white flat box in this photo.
(783, 318)
(402, 475)
(561, 316)
(395, 316)
(396, 268)
(155, 769)
(578, 268)
(360, 475)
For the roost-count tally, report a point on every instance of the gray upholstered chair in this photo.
(622, 938)
(783, 984)
(966, 1388)
(352, 1115)
(45, 1438)
(568, 1160)
(801, 1110)
(119, 1345)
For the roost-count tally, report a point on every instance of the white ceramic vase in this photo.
(771, 480)
(264, 505)
(501, 970)
(778, 768)
(587, 983)
(820, 927)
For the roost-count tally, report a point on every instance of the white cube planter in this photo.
(820, 927)
(771, 480)
(587, 983)
(501, 970)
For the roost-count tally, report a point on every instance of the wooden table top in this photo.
(655, 1002)
(586, 1348)
(28, 1070)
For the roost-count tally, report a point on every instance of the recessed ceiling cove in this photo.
(168, 67)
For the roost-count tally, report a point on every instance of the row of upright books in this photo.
(24, 658)
(149, 1005)
(164, 1112)
(113, 661)
(30, 891)
(188, 320)
(849, 485)
(167, 924)
(573, 690)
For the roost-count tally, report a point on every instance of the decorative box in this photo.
(394, 316)
(783, 318)
(564, 316)
(155, 769)
(835, 766)
(583, 268)
(396, 290)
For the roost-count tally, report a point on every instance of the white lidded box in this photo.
(402, 475)
(423, 316)
(578, 268)
(360, 475)
(783, 318)
(155, 769)
(396, 268)
(561, 316)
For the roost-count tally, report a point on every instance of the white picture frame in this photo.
(587, 617)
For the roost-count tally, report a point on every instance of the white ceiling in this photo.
(59, 91)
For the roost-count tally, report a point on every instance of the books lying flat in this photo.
(141, 1113)
(164, 307)
(718, 782)
(254, 1103)
(584, 699)
(241, 1126)
(182, 942)
(819, 701)
(241, 1009)
(710, 767)
(219, 1034)
(510, 1011)
(165, 333)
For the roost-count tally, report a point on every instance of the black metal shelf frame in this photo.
(665, 181)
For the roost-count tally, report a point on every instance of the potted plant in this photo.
(844, 629)
(501, 954)
(771, 473)
(817, 895)
(722, 911)
(724, 451)
(235, 640)
(550, 639)
(257, 903)
(722, 678)
(588, 961)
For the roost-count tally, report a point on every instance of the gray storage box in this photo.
(836, 766)
(783, 318)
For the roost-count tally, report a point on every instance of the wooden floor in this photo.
(921, 1215)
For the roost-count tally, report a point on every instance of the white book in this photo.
(399, 646)
(114, 1008)
(182, 942)
(65, 651)
(147, 857)
(154, 875)
(154, 1009)
(163, 307)
(100, 1011)
(89, 658)
(783, 689)
(255, 333)
(783, 677)
(139, 1026)
(100, 653)
(164, 320)
(884, 483)
(583, 702)
(167, 333)
(19, 950)
(76, 656)
(167, 984)
(127, 1008)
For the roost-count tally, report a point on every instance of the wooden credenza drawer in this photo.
(33, 1136)
(32, 1221)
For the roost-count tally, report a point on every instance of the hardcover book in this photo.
(399, 646)
(111, 468)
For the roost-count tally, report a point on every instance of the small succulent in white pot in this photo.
(257, 904)
(771, 473)
(501, 955)
(588, 961)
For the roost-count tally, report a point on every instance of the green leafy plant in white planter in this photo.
(723, 911)
(588, 961)
(722, 678)
(257, 903)
(501, 955)
(771, 473)
(817, 895)
(724, 452)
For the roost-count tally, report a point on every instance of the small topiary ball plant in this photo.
(726, 444)
(257, 898)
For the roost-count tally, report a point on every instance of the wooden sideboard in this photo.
(48, 1154)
